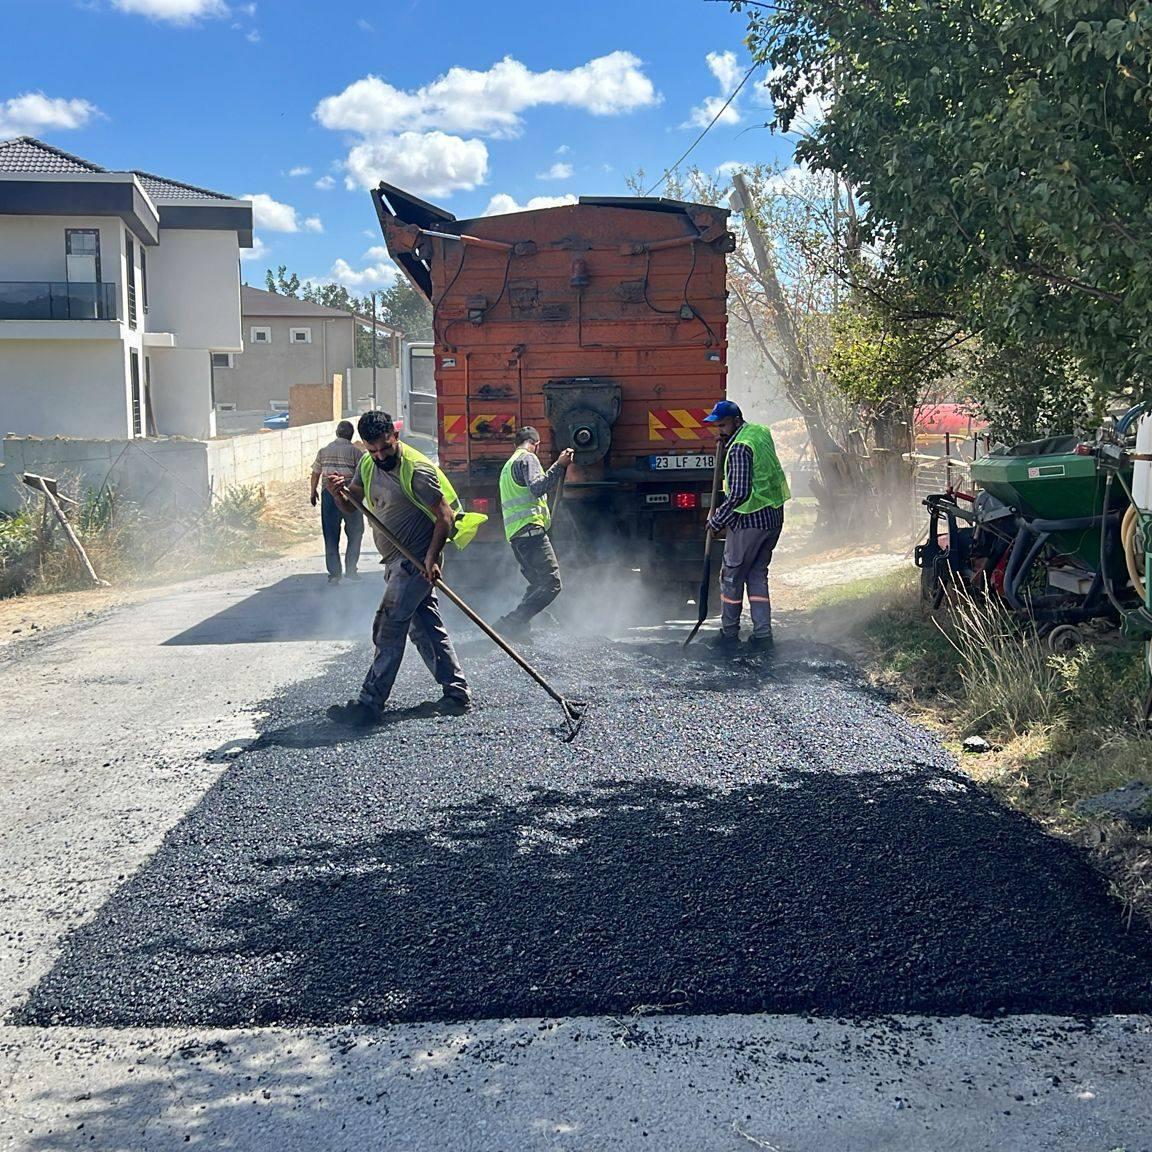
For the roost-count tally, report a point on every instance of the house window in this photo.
(261, 335)
(222, 407)
(279, 405)
(144, 278)
(130, 252)
(221, 359)
(300, 335)
(82, 253)
(137, 406)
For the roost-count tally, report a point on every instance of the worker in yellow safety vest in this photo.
(417, 504)
(752, 514)
(524, 488)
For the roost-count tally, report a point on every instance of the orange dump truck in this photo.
(604, 325)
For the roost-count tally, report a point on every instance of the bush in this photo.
(17, 552)
(240, 508)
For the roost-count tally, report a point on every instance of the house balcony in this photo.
(57, 300)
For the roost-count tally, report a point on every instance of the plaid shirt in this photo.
(529, 473)
(337, 458)
(738, 468)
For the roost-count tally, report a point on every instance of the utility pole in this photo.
(375, 403)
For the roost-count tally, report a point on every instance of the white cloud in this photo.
(488, 103)
(364, 26)
(253, 37)
(257, 252)
(563, 150)
(303, 170)
(325, 183)
(173, 11)
(724, 66)
(277, 217)
(502, 203)
(379, 275)
(558, 171)
(428, 163)
(34, 113)
(379, 252)
(426, 139)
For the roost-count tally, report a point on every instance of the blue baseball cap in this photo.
(724, 409)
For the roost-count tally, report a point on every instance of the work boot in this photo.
(353, 575)
(513, 628)
(725, 642)
(453, 705)
(760, 644)
(354, 714)
(333, 579)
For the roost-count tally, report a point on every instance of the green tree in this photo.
(1000, 148)
(401, 307)
(281, 283)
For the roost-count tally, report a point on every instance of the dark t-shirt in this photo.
(409, 524)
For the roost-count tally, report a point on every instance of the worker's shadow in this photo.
(320, 732)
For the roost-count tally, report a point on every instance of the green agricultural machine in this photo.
(1058, 530)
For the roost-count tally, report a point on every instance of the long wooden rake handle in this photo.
(573, 713)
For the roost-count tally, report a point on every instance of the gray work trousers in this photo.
(537, 559)
(747, 554)
(409, 610)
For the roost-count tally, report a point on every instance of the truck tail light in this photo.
(685, 500)
(480, 504)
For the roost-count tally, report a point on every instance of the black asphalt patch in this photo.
(722, 837)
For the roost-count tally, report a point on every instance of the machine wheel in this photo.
(1064, 638)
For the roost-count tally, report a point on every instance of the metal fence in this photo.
(943, 462)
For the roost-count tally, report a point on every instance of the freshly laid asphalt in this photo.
(722, 837)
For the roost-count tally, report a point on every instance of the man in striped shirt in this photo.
(752, 513)
(338, 459)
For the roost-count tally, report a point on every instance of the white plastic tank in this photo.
(1142, 469)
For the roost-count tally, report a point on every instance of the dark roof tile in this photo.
(160, 188)
(26, 154)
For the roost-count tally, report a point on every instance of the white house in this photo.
(116, 290)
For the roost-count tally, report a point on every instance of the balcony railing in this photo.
(48, 300)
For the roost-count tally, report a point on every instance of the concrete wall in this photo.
(358, 390)
(66, 387)
(266, 457)
(160, 472)
(194, 289)
(264, 372)
(32, 247)
(182, 392)
(154, 473)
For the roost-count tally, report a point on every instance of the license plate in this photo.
(681, 463)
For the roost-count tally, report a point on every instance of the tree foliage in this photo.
(1001, 150)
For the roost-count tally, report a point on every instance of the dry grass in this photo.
(1010, 684)
(1064, 727)
(127, 544)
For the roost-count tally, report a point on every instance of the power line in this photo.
(724, 108)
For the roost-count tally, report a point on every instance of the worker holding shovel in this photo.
(524, 488)
(417, 507)
(752, 513)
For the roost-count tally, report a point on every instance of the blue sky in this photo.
(477, 107)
